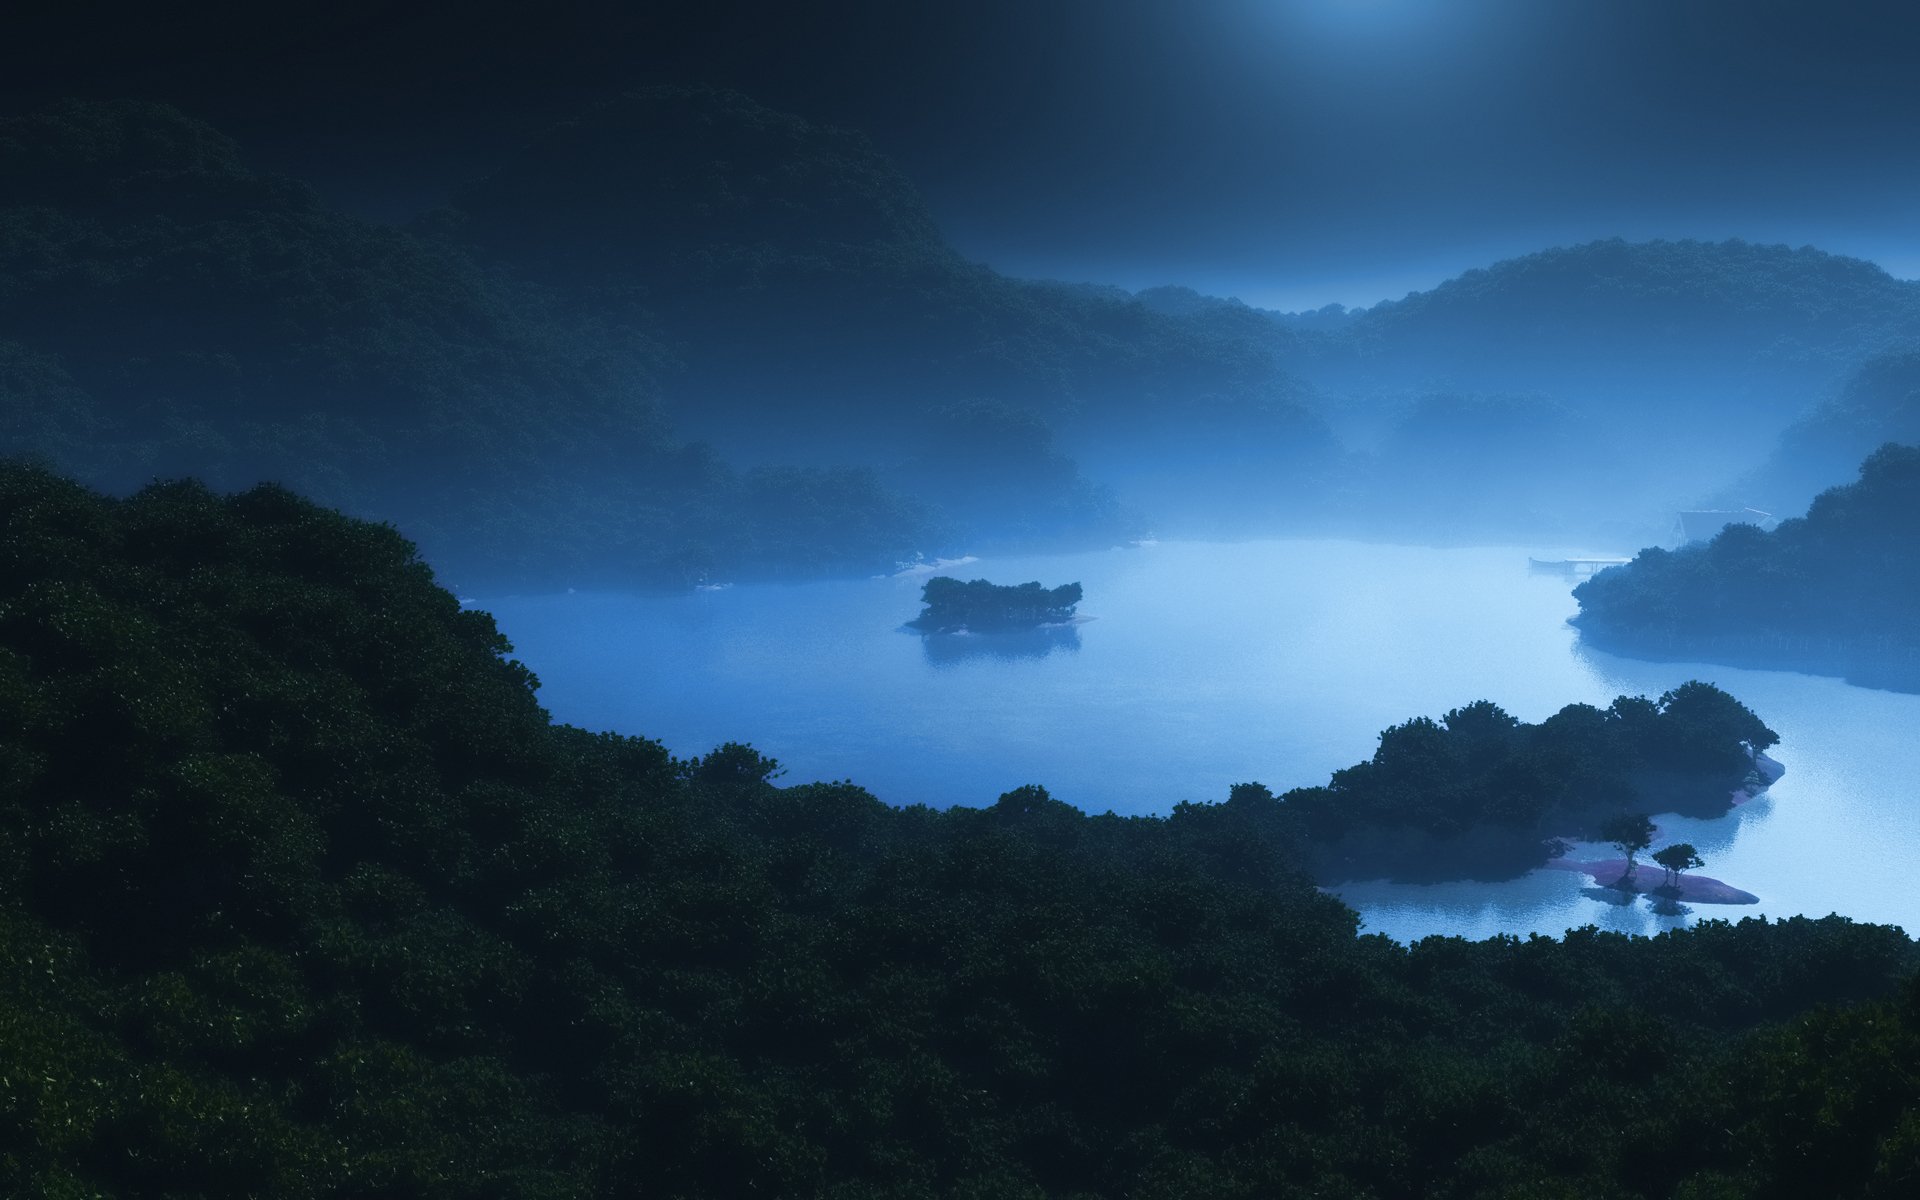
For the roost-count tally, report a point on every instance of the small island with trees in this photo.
(978, 606)
(1479, 794)
(1630, 833)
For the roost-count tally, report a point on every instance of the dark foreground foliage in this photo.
(1836, 591)
(302, 895)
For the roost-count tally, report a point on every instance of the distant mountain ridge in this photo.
(811, 308)
(533, 368)
(1774, 322)
(1790, 305)
(713, 215)
(514, 380)
(1678, 364)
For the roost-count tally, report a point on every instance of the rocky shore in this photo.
(1650, 880)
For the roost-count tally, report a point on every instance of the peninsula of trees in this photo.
(1836, 591)
(978, 606)
(305, 896)
(1480, 794)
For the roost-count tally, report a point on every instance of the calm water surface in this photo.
(1206, 665)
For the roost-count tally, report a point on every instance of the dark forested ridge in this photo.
(811, 303)
(304, 895)
(166, 310)
(718, 216)
(515, 377)
(1589, 389)
(681, 336)
(1836, 591)
(1671, 313)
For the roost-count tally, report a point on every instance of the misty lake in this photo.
(1209, 664)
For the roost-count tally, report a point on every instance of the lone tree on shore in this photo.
(1681, 856)
(1630, 833)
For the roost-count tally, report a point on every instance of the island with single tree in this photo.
(977, 606)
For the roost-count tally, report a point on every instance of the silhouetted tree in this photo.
(1681, 856)
(1630, 833)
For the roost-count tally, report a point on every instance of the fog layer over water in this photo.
(1209, 664)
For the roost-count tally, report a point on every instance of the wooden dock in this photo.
(1573, 566)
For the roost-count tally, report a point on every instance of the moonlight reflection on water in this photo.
(1211, 664)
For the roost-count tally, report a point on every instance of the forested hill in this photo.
(1605, 385)
(717, 216)
(670, 190)
(517, 379)
(804, 289)
(531, 377)
(1836, 591)
(1674, 314)
(304, 896)
(166, 310)
(1879, 403)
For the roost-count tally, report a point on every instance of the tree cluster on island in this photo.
(305, 896)
(1835, 591)
(1481, 794)
(1630, 833)
(978, 606)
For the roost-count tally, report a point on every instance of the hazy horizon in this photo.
(1293, 153)
(1357, 293)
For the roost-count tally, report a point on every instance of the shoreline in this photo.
(1888, 667)
(1770, 768)
(1650, 880)
(995, 630)
(1701, 889)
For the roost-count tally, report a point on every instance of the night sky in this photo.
(1292, 152)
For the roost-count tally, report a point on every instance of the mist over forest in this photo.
(562, 350)
(467, 479)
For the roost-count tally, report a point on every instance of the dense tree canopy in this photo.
(1480, 793)
(304, 896)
